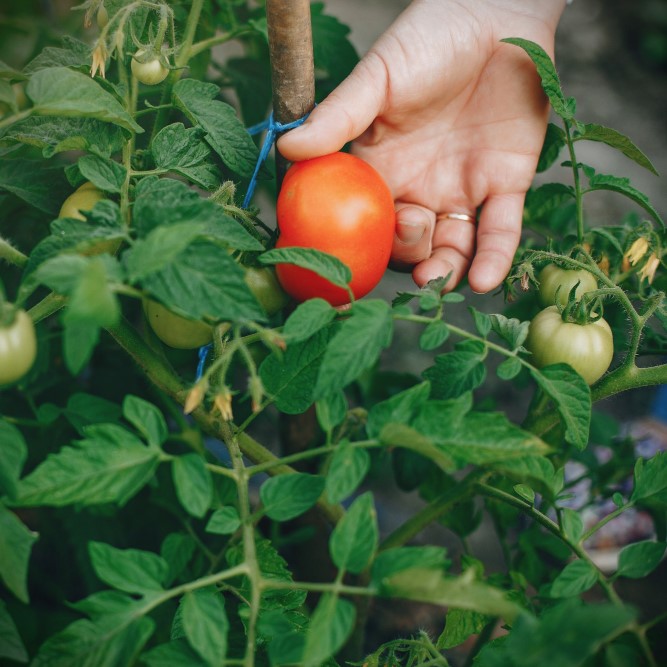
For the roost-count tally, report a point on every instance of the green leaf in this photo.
(554, 141)
(146, 418)
(104, 173)
(193, 483)
(13, 454)
(356, 346)
(576, 578)
(73, 53)
(398, 559)
(307, 319)
(223, 521)
(288, 496)
(59, 91)
(572, 397)
(206, 625)
(57, 135)
(651, 482)
(434, 335)
(165, 202)
(509, 368)
(109, 466)
(613, 138)
(460, 624)
(332, 50)
(103, 643)
(347, 469)
(550, 81)
(525, 492)
(480, 438)
(176, 653)
(80, 339)
(430, 585)
(11, 644)
(566, 635)
(290, 378)
(640, 559)
(542, 202)
(128, 570)
(354, 540)
(34, 181)
(513, 331)
(400, 409)
(224, 131)
(16, 542)
(457, 372)
(204, 282)
(83, 410)
(622, 186)
(330, 625)
(572, 524)
(538, 471)
(331, 411)
(483, 322)
(325, 265)
(177, 549)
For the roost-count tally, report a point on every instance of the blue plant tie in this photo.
(272, 128)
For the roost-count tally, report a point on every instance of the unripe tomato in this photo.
(588, 348)
(148, 70)
(340, 205)
(174, 330)
(18, 347)
(83, 198)
(266, 289)
(102, 17)
(552, 278)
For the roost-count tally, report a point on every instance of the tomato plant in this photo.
(588, 348)
(18, 345)
(556, 284)
(239, 507)
(340, 205)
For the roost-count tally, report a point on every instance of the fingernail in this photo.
(411, 225)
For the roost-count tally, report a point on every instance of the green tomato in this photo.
(266, 289)
(82, 199)
(18, 347)
(148, 70)
(174, 330)
(554, 279)
(588, 348)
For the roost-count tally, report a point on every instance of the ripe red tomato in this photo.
(340, 205)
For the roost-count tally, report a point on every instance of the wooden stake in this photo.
(292, 66)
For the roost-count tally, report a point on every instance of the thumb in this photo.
(342, 116)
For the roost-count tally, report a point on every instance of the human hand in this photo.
(454, 120)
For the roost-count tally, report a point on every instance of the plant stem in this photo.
(10, 254)
(604, 521)
(577, 183)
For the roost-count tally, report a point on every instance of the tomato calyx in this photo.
(583, 311)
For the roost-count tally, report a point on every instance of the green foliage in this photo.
(257, 528)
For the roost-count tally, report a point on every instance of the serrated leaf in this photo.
(290, 378)
(434, 335)
(193, 483)
(146, 418)
(347, 469)
(128, 570)
(460, 624)
(177, 549)
(576, 578)
(287, 496)
(109, 466)
(16, 542)
(176, 653)
(224, 131)
(223, 521)
(104, 173)
(572, 397)
(356, 346)
(651, 482)
(622, 186)
(512, 330)
(400, 409)
(537, 471)
(640, 559)
(509, 368)
(59, 91)
(72, 53)
(455, 373)
(325, 265)
(554, 141)
(483, 322)
(206, 625)
(330, 625)
(354, 540)
(615, 139)
(398, 559)
(307, 319)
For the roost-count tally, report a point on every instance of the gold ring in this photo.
(461, 216)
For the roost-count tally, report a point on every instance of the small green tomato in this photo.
(554, 279)
(149, 71)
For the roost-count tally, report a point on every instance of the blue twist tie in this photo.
(273, 128)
